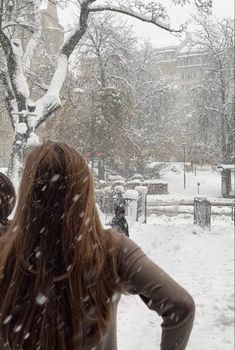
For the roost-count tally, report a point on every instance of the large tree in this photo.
(20, 17)
(212, 98)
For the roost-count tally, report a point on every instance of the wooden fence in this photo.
(201, 208)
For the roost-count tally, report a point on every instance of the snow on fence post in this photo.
(202, 212)
(131, 197)
(141, 214)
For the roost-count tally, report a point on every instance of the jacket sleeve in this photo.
(159, 292)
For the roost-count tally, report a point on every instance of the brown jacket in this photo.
(157, 290)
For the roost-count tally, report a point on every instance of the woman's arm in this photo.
(159, 292)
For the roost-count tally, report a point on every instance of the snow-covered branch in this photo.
(135, 14)
(115, 77)
(13, 54)
(50, 102)
(37, 82)
(14, 24)
(18, 80)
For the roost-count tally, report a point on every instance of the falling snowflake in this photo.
(41, 299)
(17, 328)
(76, 198)
(55, 177)
(7, 319)
(38, 254)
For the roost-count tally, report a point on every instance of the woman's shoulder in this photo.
(115, 237)
(123, 246)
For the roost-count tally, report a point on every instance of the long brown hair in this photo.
(7, 198)
(57, 265)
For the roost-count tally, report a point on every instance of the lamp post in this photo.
(197, 152)
(184, 150)
(198, 187)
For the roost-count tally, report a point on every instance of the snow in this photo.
(202, 262)
(131, 194)
(21, 128)
(141, 189)
(7, 319)
(155, 182)
(44, 4)
(33, 139)
(41, 299)
(177, 165)
(21, 83)
(210, 183)
(119, 188)
(59, 75)
(17, 329)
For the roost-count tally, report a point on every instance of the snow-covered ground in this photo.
(210, 182)
(203, 262)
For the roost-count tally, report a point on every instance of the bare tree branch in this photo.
(24, 25)
(134, 14)
(9, 96)
(37, 82)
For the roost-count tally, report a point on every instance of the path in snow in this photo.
(202, 261)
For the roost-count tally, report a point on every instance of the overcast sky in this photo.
(178, 15)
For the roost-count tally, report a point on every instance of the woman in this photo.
(7, 201)
(62, 274)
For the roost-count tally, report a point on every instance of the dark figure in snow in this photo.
(7, 200)
(119, 221)
(62, 274)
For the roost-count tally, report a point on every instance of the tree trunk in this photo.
(224, 121)
(19, 147)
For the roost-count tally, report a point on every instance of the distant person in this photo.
(62, 274)
(7, 200)
(119, 221)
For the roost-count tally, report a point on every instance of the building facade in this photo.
(183, 62)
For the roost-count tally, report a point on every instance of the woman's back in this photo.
(56, 265)
(61, 273)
